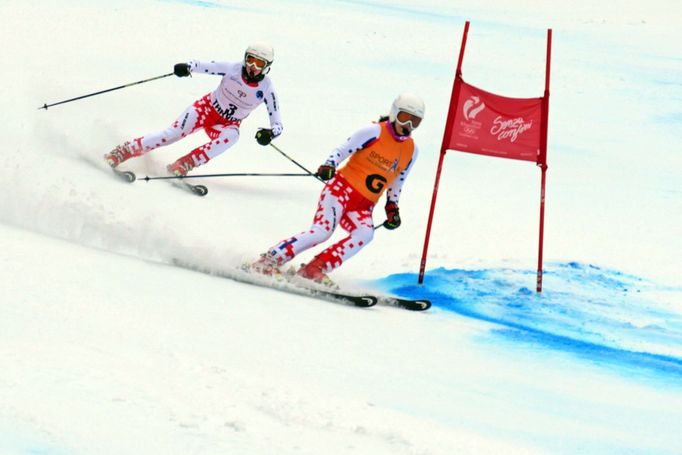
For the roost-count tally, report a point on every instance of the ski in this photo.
(408, 304)
(284, 282)
(279, 283)
(126, 176)
(199, 190)
(359, 300)
(368, 300)
(363, 301)
(287, 281)
(130, 177)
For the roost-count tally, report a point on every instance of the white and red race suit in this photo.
(219, 113)
(380, 160)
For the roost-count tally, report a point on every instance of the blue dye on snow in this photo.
(605, 315)
(674, 117)
(13, 443)
(201, 3)
(208, 4)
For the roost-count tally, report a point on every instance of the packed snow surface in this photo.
(107, 348)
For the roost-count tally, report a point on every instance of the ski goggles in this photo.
(403, 118)
(254, 62)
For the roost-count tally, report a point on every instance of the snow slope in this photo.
(106, 348)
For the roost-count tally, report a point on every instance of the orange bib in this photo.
(372, 169)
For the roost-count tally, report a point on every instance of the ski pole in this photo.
(310, 173)
(295, 162)
(45, 106)
(243, 174)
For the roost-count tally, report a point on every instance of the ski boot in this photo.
(266, 265)
(119, 154)
(181, 166)
(313, 271)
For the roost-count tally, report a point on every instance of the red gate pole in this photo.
(454, 100)
(542, 161)
(542, 226)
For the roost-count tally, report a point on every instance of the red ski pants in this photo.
(339, 205)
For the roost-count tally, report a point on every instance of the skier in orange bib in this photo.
(380, 156)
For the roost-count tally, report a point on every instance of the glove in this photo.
(181, 70)
(392, 216)
(326, 172)
(264, 136)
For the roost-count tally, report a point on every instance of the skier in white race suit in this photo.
(244, 86)
(380, 156)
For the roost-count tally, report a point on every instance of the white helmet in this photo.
(409, 103)
(261, 50)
